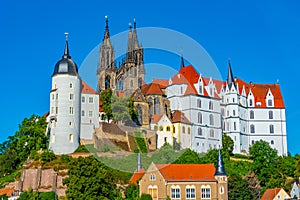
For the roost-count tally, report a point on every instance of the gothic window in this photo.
(270, 114)
(107, 82)
(250, 102)
(271, 128)
(234, 126)
(140, 82)
(252, 128)
(212, 133)
(199, 131)
(140, 114)
(211, 119)
(251, 114)
(131, 83)
(150, 107)
(183, 129)
(156, 106)
(199, 118)
(233, 112)
(199, 103)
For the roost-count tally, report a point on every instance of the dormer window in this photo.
(200, 89)
(250, 102)
(270, 103)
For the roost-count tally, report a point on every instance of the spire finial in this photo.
(182, 61)
(66, 51)
(220, 169)
(106, 20)
(130, 26)
(134, 23)
(106, 33)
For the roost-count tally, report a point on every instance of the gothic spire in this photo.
(135, 41)
(220, 169)
(106, 33)
(182, 62)
(230, 79)
(139, 163)
(129, 44)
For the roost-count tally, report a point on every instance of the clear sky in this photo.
(262, 38)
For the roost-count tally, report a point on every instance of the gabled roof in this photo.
(7, 191)
(187, 172)
(136, 176)
(156, 118)
(86, 89)
(179, 116)
(270, 194)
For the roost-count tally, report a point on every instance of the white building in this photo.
(74, 107)
(246, 112)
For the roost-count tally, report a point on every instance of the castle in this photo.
(188, 109)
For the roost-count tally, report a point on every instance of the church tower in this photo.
(221, 177)
(65, 106)
(134, 63)
(106, 66)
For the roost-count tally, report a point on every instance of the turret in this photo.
(221, 177)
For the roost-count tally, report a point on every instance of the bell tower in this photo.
(221, 177)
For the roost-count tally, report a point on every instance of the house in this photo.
(183, 181)
(275, 194)
(295, 192)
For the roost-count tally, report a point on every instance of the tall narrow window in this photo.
(234, 126)
(211, 106)
(71, 96)
(83, 99)
(270, 114)
(251, 114)
(82, 113)
(270, 102)
(200, 131)
(91, 100)
(211, 119)
(233, 112)
(271, 128)
(252, 128)
(212, 133)
(200, 89)
(90, 113)
(251, 102)
(199, 118)
(156, 106)
(199, 103)
(71, 110)
(71, 137)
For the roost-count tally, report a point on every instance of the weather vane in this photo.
(66, 35)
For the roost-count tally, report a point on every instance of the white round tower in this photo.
(65, 106)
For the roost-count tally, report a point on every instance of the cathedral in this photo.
(128, 75)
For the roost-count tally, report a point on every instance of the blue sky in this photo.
(261, 38)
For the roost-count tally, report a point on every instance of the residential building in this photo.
(295, 192)
(275, 194)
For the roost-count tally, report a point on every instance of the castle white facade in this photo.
(246, 112)
(74, 107)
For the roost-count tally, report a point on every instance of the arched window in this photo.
(234, 126)
(153, 191)
(270, 102)
(71, 137)
(199, 118)
(200, 89)
(199, 131)
(271, 128)
(183, 129)
(233, 112)
(168, 128)
(173, 127)
(212, 133)
(190, 191)
(189, 130)
(199, 103)
(156, 106)
(211, 119)
(251, 114)
(175, 192)
(252, 128)
(205, 192)
(270, 114)
(211, 106)
(140, 114)
(150, 104)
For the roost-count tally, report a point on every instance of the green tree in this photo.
(188, 157)
(90, 179)
(132, 192)
(238, 188)
(27, 140)
(227, 143)
(120, 109)
(146, 197)
(106, 98)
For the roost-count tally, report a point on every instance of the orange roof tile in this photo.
(187, 172)
(136, 176)
(86, 89)
(152, 88)
(156, 118)
(7, 191)
(178, 116)
(162, 82)
(270, 194)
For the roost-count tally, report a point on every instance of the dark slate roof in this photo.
(66, 65)
(220, 169)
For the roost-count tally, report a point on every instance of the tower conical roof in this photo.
(230, 79)
(220, 169)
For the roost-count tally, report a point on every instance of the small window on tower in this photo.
(90, 113)
(71, 110)
(71, 96)
(71, 137)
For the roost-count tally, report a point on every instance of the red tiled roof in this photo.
(187, 172)
(152, 88)
(260, 92)
(162, 82)
(7, 191)
(270, 194)
(156, 118)
(46, 114)
(136, 176)
(178, 116)
(53, 90)
(86, 89)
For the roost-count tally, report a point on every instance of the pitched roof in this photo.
(136, 176)
(187, 172)
(152, 88)
(86, 89)
(7, 191)
(270, 194)
(179, 116)
(156, 118)
(162, 82)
